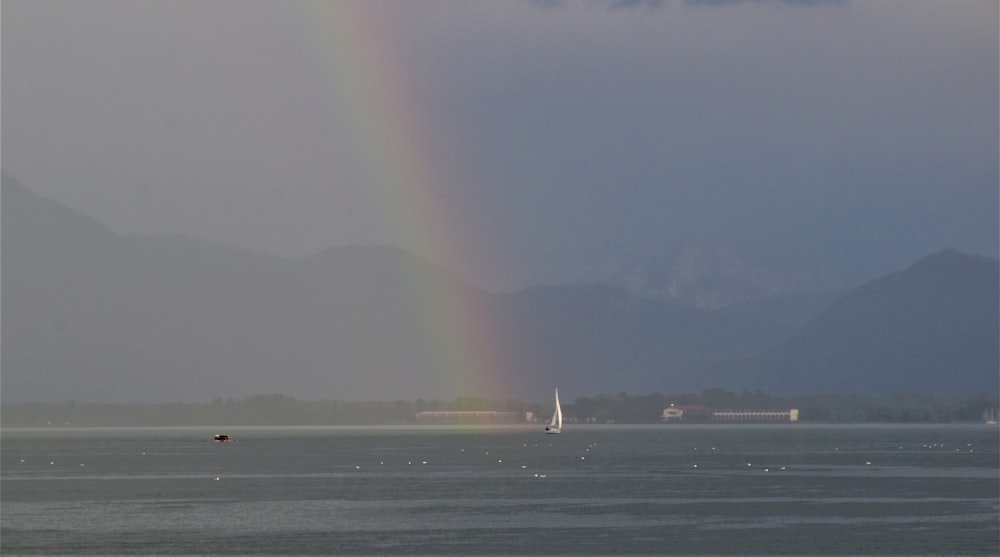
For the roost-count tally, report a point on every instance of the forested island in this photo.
(621, 408)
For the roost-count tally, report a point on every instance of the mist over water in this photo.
(508, 490)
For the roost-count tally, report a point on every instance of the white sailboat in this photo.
(555, 425)
(990, 416)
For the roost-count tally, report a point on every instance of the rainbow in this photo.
(359, 51)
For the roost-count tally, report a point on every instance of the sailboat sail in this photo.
(990, 416)
(555, 425)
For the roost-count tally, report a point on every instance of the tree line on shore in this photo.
(621, 408)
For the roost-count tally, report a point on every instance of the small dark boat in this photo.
(222, 438)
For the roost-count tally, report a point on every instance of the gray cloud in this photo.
(626, 4)
(656, 4)
(575, 144)
(787, 2)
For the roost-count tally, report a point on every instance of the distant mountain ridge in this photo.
(934, 325)
(93, 316)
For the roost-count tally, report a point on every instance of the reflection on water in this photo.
(667, 489)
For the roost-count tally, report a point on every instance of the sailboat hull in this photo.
(552, 430)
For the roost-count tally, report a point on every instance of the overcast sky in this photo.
(819, 143)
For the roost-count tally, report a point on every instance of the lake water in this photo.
(775, 489)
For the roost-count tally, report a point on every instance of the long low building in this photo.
(791, 415)
(470, 417)
(674, 413)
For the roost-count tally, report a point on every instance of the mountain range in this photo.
(94, 316)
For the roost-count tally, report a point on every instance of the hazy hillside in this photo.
(90, 315)
(786, 312)
(609, 340)
(931, 328)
